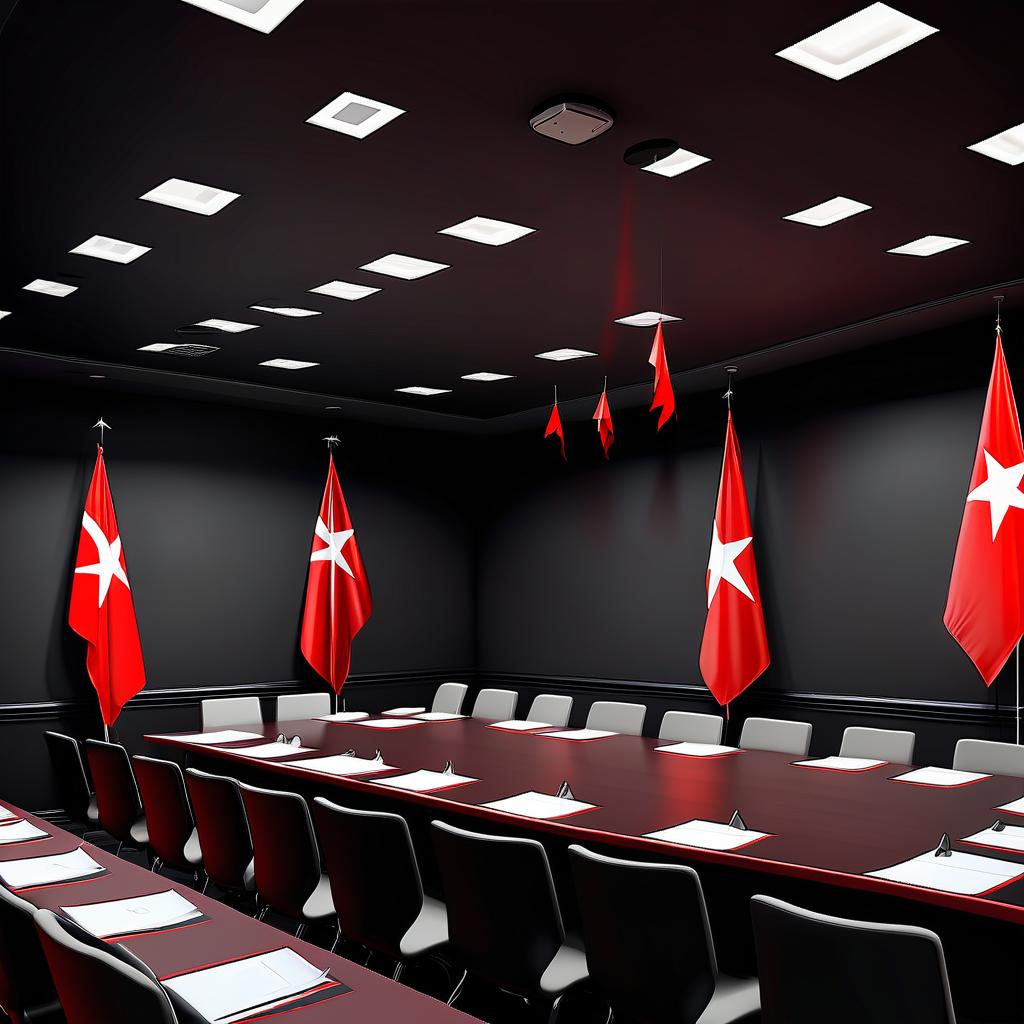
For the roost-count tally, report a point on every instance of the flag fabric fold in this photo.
(101, 609)
(603, 415)
(338, 601)
(664, 396)
(985, 607)
(555, 427)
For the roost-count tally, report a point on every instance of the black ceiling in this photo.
(104, 100)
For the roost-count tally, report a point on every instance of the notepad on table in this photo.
(268, 751)
(579, 734)
(137, 914)
(340, 764)
(404, 712)
(1009, 837)
(1014, 806)
(698, 749)
(6, 815)
(940, 777)
(842, 764)
(965, 874)
(516, 725)
(439, 716)
(20, 832)
(343, 716)
(391, 723)
(708, 835)
(425, 781)
(539, 805)
(214, 738)
(60, 867)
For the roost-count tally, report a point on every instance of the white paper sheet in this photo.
(439, 716)
(19, 874)
(229, 992)
(697, 749)
(138, 914)
(268, 751)
(404, 712)
(842, 764)
(339, 764)
(425, 781)
(19, 832)
(391, 723)
(966, 874)
(707, 835)
(213, 738)
(6, 815)
(940, 777)
(580, 734)
(1011, 838)
(1014, 806)
(516, 725)
(539, 805)
(343, 716)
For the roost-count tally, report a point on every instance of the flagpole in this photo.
(332, 440)
(1017, 715)
(103, 426)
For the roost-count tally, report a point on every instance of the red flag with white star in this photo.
(664, 396)
(102, 611)
(603, 415)
(555, 427)
(985, 607)
(734, 649)
(338, 600)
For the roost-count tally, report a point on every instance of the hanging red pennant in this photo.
(664, 396)
(555, 427)
(603, 415)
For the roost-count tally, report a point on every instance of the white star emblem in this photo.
(722, 564)
(335, 541)
(1001, 490)
(109, 554)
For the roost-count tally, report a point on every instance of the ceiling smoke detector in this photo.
(571, 120)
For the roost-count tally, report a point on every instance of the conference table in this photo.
(224, 935)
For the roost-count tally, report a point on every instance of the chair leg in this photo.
(553, 1014)
(206, 885)
(117, 852)
(300, 931)
(156, 866)
(457, 991)
(397, 973)
(611, 1016)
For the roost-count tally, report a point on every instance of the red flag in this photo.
(555, 427)
(101, 610)
(985, 607)
(603, 415)
(338, 601)
(734, 650)
(664, 396)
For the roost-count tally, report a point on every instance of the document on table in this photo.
(138, 914)
(425, 781)
(1014, 806)
(515, 725)
(214, 738)
(6, 814)
(439, 716)
(579, 734)
(842, 764)
(237, 990)
(1009, 837)
(698, 749)
(391, 723)
(966, 874)
(404, 712)
(268, 751)
(20, 832)
(340, 764)
(61, 867)
(940, 777)
(343, 716)
(708, 835)
(539, 805)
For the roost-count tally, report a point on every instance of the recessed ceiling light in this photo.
(288, 364)
(561, 355)
(191, 196)
(229, 326)
(262, 15)
(295, 311)
(487, 231)
(928, 245)
(676, 163)
(425, 391)
(344, 290)
(487, 377)
(828, 212)
(857, 42)
(355, 115)
(333, 408)
(97, 376)
(45, 287)
(1007, 146)
(648, 319)
(158, 346)
(112, 249)
(4, 312)
(408, 268)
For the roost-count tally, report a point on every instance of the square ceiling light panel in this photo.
(292, 311)
(103, 248)
(262, 15)
(158, 346)
(829, 212)
(562, 355)
(355, 115)
(228, 326)
(487, 231)
(288, 364)
(55, 288)
(648, 319)
(189, 350)
(679, 162)
(408, 268)
(4, 312)
(425, 392)
(191, 196)
(928, 245)
(857, 42)
(487, 377)
(344, 290)
(1007, 146)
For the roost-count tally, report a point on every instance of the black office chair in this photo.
(117, 794)
(504, 923)
(368, 853)
(816, 968)
(654, 967)
(223, 830)
(173, 840)
(72, 780)
(26, 990)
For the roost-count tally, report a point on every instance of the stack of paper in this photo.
(20, 832)
(842, 764)
(1014, 806)
(61, 867)
(1009, 837)
(138, 914)
(391, 723)
(426, 781)
(404, 712)
(340, 764)
(215, 738)
(439, 716)
(698, 749)
(539, 805)
(6, 814)
(963, 873)
(268, 751)
(579, 734)
(940, 777)
(708, 835)
(343, 716)
(515, 725)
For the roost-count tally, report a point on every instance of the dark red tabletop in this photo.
(829, 827)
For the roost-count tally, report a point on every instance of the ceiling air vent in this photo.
(190, 351)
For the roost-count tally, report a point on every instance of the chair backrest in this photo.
(691, 727)
(165, 804)
(223, 828)
(300, 707)
(497, 705)
(24, 976)
(233, 712)
(660, 967)
(69, 774)
(776, 734)
(285, 854)
(94, 985)
(989, 756)
(375, 880)
(504, 924)
(449, 698)
(551, 708)
(893, 745)
(117, 795)
(616, 716)
(846, 972)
